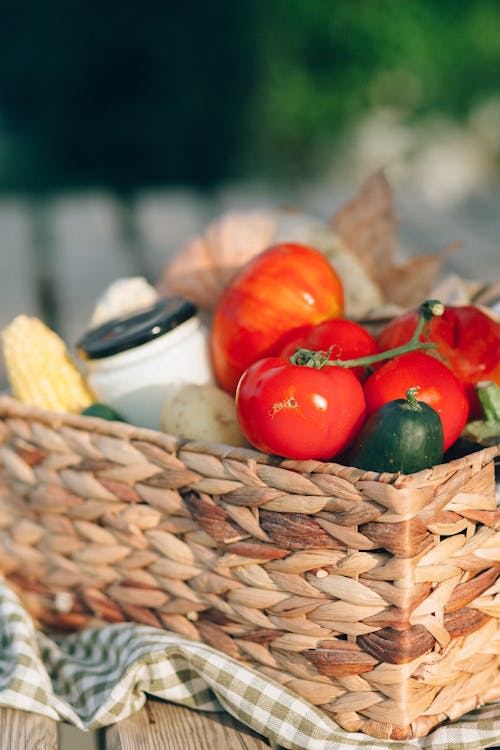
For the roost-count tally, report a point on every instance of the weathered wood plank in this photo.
(87, 251)
(474, 223)
(18, 267)
(71, 738)
(162, 222)
(165, 726)
(20, 730)
(18, 271)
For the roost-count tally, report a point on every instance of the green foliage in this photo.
(324, 64)
(126, 93)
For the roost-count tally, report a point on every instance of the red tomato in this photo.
(299, 412)
(467, 339)
(348, 340)
(437, 386)
(284, 287)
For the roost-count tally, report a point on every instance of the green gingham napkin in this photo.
(101, 675)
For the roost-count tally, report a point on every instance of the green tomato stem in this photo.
(427, 310)
(411, 399)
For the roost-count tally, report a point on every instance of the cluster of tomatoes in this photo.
(289, 298)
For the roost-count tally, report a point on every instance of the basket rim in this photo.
(11, 407)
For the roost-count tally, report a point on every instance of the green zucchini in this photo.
(103, 411)
(403, 435)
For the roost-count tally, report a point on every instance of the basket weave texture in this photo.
(374, 596)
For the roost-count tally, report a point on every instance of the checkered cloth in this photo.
(101, 675)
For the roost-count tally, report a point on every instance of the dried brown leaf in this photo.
(368, 225)
(409, 283)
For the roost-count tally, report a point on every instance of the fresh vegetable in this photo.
(437, 386)
(339, 338)
(286, 286)
(486, 431)
(467, 339)
(427, 310)
(298, 411)
(103, 411)
(202, 412)
(402, 435)
(40, 369)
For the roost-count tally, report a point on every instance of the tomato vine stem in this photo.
(428, 310)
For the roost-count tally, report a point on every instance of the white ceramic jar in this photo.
(132, 362)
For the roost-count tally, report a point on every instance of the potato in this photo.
(202, 412)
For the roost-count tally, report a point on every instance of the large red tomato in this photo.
(284, 287)
(437, 386)
(467, 339)
(342, 338)
(299, 412)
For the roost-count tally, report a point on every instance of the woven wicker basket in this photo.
(372, 596)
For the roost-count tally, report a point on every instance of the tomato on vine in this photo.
(467, 339)
(311, 406)
(340, 338)
(297, 411)
(436, 385)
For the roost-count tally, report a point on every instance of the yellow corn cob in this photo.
(39, 367)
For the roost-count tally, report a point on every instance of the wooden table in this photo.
(158, 726)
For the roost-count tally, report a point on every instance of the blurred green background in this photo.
(126, 94)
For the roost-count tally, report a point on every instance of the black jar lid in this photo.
(121, 334)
